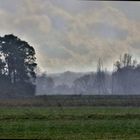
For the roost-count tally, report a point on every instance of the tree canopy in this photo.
(17, 66)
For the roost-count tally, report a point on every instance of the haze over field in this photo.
(71, 34)
(69, 69)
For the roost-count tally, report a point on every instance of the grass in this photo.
(70, 123)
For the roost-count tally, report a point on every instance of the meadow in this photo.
(70, 123)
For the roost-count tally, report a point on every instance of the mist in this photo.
(123, 80)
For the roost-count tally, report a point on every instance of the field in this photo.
(73, 100)
(70, 123)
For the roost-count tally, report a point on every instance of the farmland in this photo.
(71, 117)
(73, 100)
(66, 123)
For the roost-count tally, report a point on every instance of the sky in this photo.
(73, 34)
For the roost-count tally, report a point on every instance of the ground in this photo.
(70, 123)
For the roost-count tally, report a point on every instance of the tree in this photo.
(126, 75)
(17, 63)
(100, 78)
(84, 84)
(19, 58)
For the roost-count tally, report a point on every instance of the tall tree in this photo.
(18, 59)
(100, 78)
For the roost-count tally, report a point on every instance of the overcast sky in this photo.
(72, 34)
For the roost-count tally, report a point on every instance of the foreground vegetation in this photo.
(66, 123)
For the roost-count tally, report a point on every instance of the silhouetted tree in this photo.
(126, 76)
(17, 65)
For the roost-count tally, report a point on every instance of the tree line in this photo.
(18, 76)
(124, 79)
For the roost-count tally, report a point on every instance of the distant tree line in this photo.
(18, 76)
(124, 79)
(17, 67)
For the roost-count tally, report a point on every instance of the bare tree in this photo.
(100, 78)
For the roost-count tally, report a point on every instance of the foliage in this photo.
(17, 65)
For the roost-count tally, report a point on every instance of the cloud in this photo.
(72, 35)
